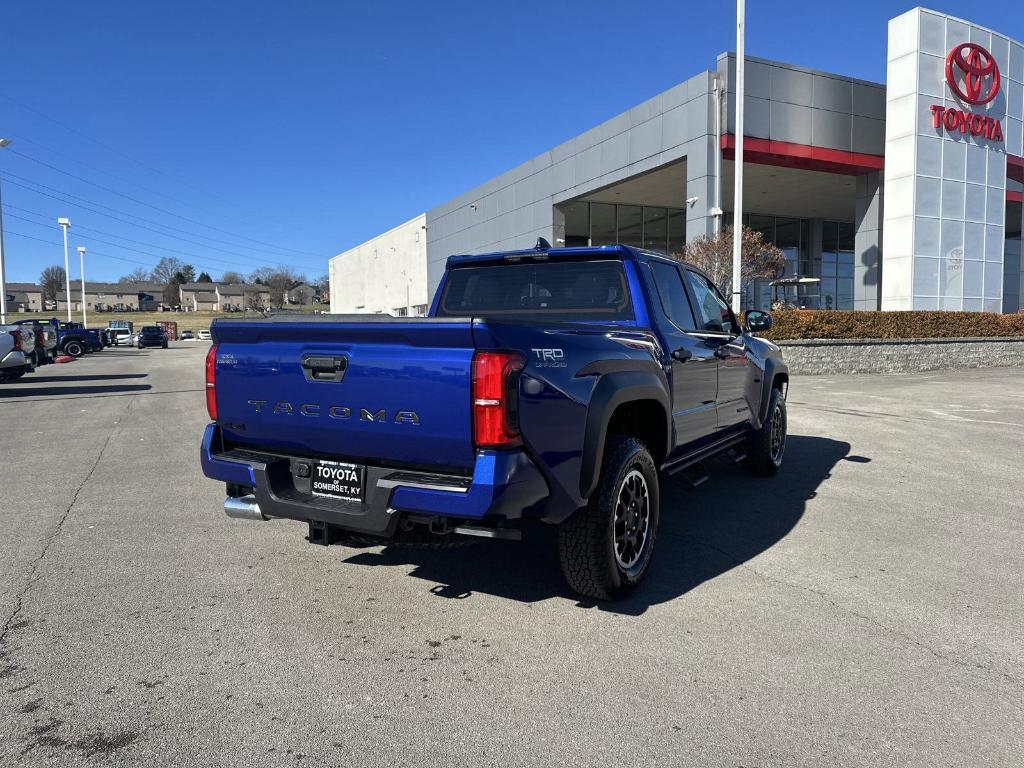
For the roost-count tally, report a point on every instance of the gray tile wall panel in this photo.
(868, 135)
(791, 86)
(831, 129)
(790, 122)
(869, 100)
(832, 94)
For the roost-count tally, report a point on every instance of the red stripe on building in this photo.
(1015, 168)
(802, 156)
(1014, 197)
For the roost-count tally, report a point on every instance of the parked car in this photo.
(45, 348)
(152, 336)
(187, 336)
(553, 383)
(204, 335)
(13, 362)
(122, 337)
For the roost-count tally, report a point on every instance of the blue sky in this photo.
(236, 135)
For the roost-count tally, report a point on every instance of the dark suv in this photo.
(152, 336)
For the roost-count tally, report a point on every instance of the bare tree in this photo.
(52, 280)
(166, 268)
(232, 278)
(760, 260)
(137, 275)
(254, 300)
(323, 286)
(299, 296)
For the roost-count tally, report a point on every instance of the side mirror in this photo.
(757, 321)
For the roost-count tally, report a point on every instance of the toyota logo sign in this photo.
(972, 74)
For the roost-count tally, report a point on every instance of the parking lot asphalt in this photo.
(862, 608)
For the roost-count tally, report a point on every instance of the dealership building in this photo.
(898, 195)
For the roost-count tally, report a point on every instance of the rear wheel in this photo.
(767, 446)
(8, 376)
(606, 547)
(74, 348)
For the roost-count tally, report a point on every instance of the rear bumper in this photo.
(502, 486)
(13, 362)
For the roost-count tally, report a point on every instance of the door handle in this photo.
(324, 367)
(681, 355)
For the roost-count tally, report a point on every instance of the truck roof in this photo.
(625, 252)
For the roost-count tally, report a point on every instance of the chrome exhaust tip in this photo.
(243, 508)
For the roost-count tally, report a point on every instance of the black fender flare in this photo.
(772, 368)
(611, 391)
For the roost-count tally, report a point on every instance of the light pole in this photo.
(81, 267)
(3, 283)
(737, 205)
(65, 224)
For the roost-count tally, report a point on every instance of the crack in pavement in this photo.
(33, 566)
(741, 565)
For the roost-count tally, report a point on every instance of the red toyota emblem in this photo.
(978, 70)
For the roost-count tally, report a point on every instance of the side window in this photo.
(712, 309)
(673, 295)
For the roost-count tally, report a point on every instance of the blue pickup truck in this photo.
(552, 383)
(74, 338)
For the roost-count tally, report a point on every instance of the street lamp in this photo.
(65, 224)
(3, 283)
(81, 267)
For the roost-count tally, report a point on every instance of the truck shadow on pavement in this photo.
(96, 389)
(35, 379)
(703, 533)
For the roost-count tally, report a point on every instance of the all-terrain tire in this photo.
(588, 546)
(766, 447)
(74, 348)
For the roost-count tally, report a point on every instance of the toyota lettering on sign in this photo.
(972, 76)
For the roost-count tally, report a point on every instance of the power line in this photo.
(92, 206)
(97, 142)
(50, 150)
(157, 208)
(94, 253)
(169, 251)
(117, 245)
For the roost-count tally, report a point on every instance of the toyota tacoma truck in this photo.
(14, 362)
(554, 383)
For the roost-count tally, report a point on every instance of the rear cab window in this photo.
(578, 290)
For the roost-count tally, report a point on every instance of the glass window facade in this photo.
(833, 264)
(643, 226)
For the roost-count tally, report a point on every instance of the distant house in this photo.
(302, 294)
(24, 297)
(199, 297)
(235, 297)
(100, 297)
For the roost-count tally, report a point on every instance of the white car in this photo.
(122, 337)
(204, 335)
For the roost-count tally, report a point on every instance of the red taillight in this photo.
(495, 400)
(19, 343)
(211, 382)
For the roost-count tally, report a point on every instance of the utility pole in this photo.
(3, 283)
(65, 224)
(737, 206)
(81, 266)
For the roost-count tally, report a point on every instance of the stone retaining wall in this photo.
(824, 356)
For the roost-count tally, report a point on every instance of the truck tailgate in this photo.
(380, 390)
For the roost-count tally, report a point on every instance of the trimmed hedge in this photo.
(834, 324)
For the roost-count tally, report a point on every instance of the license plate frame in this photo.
(338, 480)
